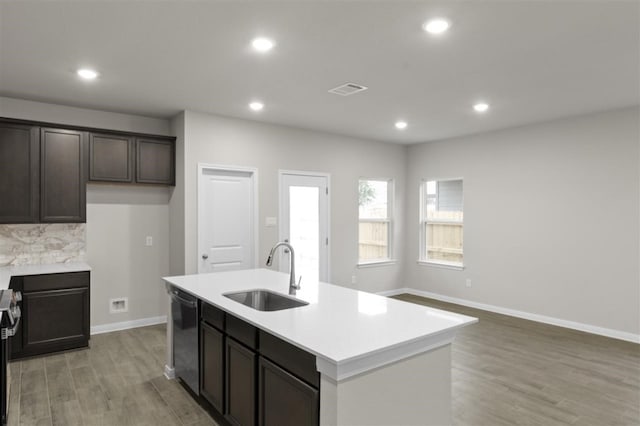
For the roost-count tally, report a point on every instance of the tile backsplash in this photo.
(33, 244)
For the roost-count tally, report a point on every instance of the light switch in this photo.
(270, 221)
(149, 241)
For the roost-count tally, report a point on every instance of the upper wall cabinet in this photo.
(63, 175)
(155, 161)
(110, 158)
(117, 158)
(44, 168)
(19, 173)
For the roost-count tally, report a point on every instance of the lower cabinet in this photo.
(212, 352)
(283, 399)
(254, 378)
(240, 384)
(55, 314)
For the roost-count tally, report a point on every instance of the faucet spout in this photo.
(293, 286)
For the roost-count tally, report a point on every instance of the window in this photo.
(375, 207)
(441, 222)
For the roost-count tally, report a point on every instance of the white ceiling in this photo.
(532, 61)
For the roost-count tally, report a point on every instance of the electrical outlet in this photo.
(118, 305)
(468, 282)
(353, 279)
(149, 241)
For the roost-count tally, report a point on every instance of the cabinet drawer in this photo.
(55, 281)
(212, 315)
(292, 358)
(242, 331)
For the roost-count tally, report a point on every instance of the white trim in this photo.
(374, 263)
(281, 173)
(169, 372)
(393, 292)
(255, 232)
(125, 325)
(441, 265)
(587, 328)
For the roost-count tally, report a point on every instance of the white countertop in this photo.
(349, 331)
(6, 272)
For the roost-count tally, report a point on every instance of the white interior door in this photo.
(304, 222)
(226, 219)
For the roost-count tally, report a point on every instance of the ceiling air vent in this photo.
(347, 89)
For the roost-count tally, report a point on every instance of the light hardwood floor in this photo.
(509, 371)
(506, 371)
(117, 382)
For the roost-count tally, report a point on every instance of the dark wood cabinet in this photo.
(252, 377)
(155, 161)
(110, 158)
(44, 169)
(241, 368)
(283, 399)
(19, 173)
(55, 314)
(63, 175)
(212, 351)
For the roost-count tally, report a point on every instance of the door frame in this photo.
(281, 207)
(253, 172)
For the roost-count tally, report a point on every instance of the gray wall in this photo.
(118, 220)
(551, 218)
(269, 148)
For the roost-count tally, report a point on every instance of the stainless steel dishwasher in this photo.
(184, 310)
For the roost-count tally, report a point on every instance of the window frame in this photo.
(422, 223)
(389, 260)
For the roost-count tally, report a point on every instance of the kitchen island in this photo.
(380, 361)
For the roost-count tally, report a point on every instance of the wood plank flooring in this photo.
(117, 382)
(509, 371)
(506, 371)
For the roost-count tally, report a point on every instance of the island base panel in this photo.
(416, 390)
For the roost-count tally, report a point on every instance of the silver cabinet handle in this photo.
(205, 256)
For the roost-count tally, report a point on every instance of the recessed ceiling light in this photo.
(436, 26)
(401, 125)
(262, 44)
(481, 107)
(256, 106)
(87, 74)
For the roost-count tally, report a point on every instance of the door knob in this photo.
(205, 256)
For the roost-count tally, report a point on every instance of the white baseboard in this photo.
(169, 372)
(608, 332)
(125, 325)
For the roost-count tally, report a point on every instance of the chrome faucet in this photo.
(292, 266)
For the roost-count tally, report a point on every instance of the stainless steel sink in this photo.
(265, 300)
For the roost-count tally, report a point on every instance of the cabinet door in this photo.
(155, 161)
(212, 366)
(284, 399)
(55, 320)
(110, 158)
(62, 176)
(240, 384)
(19, 173)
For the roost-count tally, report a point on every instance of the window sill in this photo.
(376, 263)
(453, 266)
